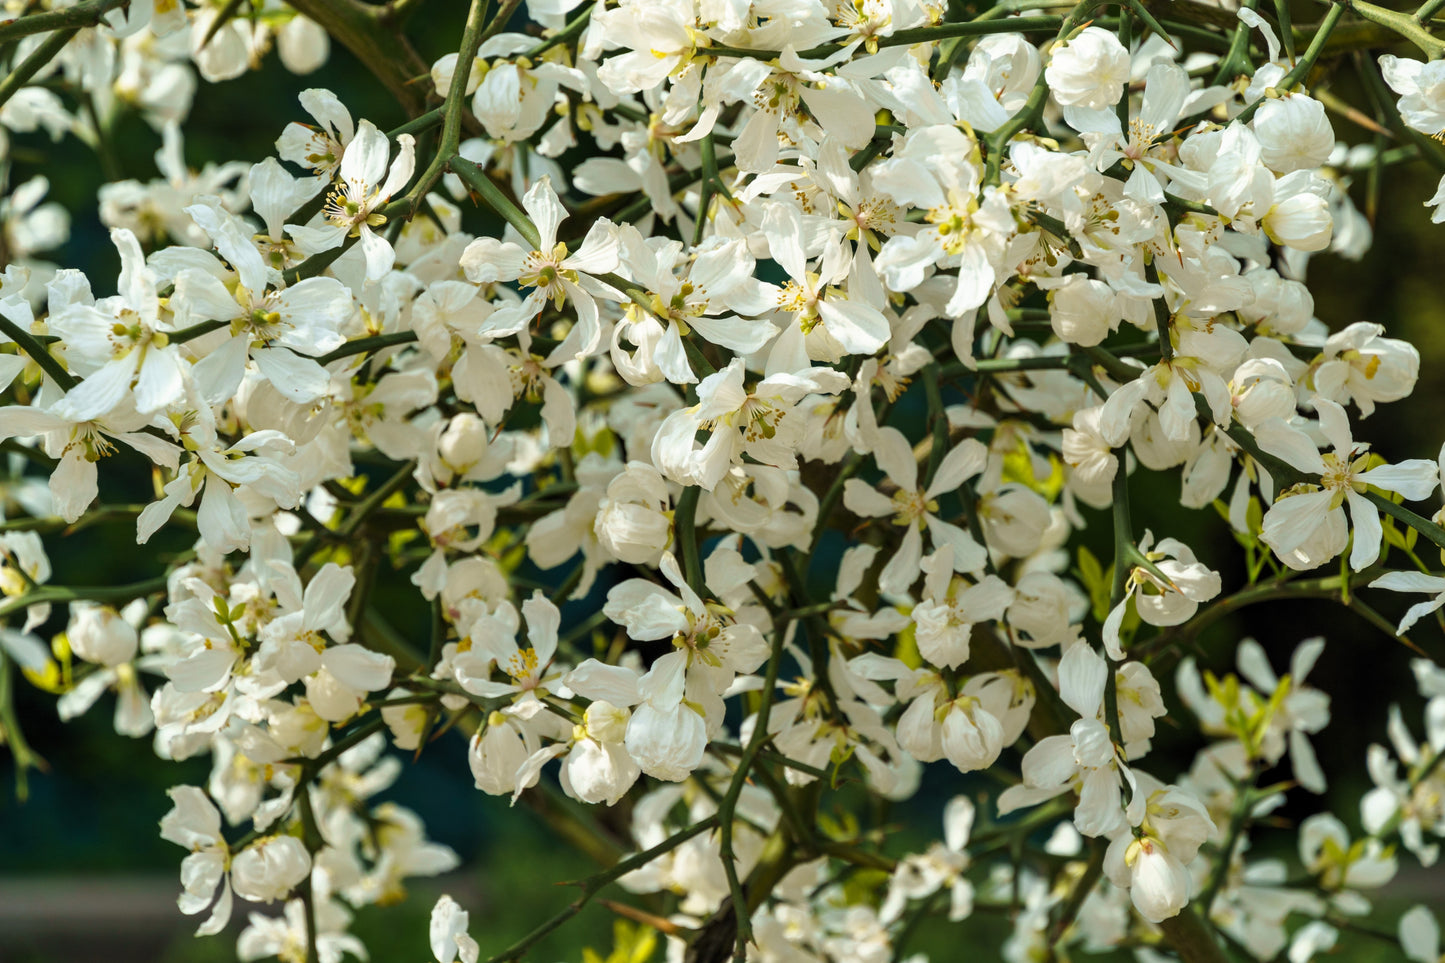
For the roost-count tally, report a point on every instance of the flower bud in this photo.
(1083, 311)
(496, 755)
(270, 869)
(1280, 305)
(407, 723)
(1294, 133)
(1159, 883)
(464, 443)
(606, 722)
(1299, 219)
(1014, 520)
(631, 522)
(98, 634)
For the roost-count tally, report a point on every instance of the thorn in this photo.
(664, 926)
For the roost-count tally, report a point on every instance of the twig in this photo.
(594, 884)
(87, 14)
(32, 64)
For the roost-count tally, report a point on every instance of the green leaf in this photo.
(1096, 583)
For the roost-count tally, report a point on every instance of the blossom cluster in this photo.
(750, 464)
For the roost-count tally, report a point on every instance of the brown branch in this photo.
(364, 31)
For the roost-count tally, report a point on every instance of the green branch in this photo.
(38, 354)
(1192, 938)
(684, 523)
(1301, 70)
(472, 36)
(375, 342)
(727, 808)
(32, 64)
(11, 733)
(94, 593)
(87, 14)
(594, 884)
(1403, 24)
(483, 186)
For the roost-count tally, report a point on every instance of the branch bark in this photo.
(388, 54)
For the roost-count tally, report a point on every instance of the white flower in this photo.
(491, 641)
(1415, 806)
(294, 644)
(1152, 861)
(919, 876)
(658, 38)
(449, 938)
(1303, 711)
(1325, 851)
(1316, 509)
(915, 508)
(215, 473)
(1413, 582)
(97, 633)
(277, 330)
(80, 446)
(717, 281)
(970, 729)
(761, 423)
(1166, 92)
(632, 522)
(944, 619)
(1085, 758)
(551, 271)
(1298, 215)
(353, 206)
(1162, 603)
(285, 936)
(1421, 87)
(194, 823)
(826, 321)
(120, 340)
(497, 754)
(598, 767)
(318, 148)
(1158, 883)
(1083, 311)
(1361, 366)
(1089, 71)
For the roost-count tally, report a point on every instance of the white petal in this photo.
(543, 620)
(546, 212)
(378, 252)
(1416, 478)
(358, 667)
(101, 392)
(1291, 521)
(300, 379)
(1289, 444)
(1082, 676)
(859, 328)
(1335, 425)
(967, 459)
(1368, 531)
(1420, 935)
